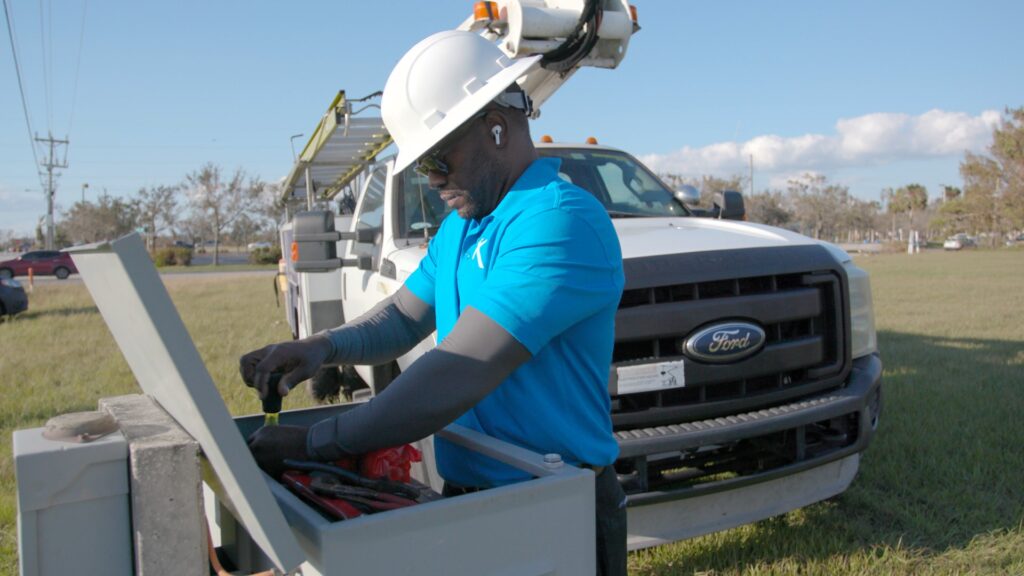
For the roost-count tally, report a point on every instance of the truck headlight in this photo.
(862, 312)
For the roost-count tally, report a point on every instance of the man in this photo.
(521, 283)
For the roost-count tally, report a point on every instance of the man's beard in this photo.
(483, 196)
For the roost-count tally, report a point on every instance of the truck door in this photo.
(364, 288)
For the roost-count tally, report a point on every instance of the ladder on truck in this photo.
(342, 145)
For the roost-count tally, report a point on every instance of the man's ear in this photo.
(497, 127)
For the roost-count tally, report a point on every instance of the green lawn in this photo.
(939, 492)
(219, 268)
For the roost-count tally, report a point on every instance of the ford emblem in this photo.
(726, 342)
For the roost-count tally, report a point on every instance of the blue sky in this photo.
(870, 93)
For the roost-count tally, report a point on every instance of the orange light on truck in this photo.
(485, 11)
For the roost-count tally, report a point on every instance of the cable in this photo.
(78, 66)
(49, 58)
(579, 43)
(46, 70)
(21, 89)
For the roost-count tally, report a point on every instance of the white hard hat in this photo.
(439, 84)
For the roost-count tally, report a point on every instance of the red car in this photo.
(42, 262)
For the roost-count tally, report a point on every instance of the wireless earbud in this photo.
(496, 130)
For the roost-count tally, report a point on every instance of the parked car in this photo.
(958, 242)
(42, 262)
(254, 246)
(183, 244)
(12, 297)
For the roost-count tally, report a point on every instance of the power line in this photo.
(21, 89)
(78, 66)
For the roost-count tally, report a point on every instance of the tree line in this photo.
(990, 204)
(208, 205)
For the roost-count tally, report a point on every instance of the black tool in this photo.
(350, 477)
(272, 401)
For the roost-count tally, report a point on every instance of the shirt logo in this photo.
(477, 255)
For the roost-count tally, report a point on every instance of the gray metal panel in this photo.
(73, 512)
(326, 314)
(540, 527)
(139, 312)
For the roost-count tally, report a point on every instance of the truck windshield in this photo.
(625, 187)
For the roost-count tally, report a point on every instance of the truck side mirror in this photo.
(688, 195)
(361, 236)
(729, 205)
(314, 243)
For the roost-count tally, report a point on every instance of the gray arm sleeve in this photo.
(385, 332)
(444, 383)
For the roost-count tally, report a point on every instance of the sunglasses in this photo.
(433, 160)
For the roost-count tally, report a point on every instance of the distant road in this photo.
(203, 260)
(168, 277)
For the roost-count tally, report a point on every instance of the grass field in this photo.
(939, 491)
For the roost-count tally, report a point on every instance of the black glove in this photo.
(297, 361)
(271, 445)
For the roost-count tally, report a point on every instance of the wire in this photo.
(49, 57)
(21, 89)
(579, 43)
(78, 66)
(46, 70)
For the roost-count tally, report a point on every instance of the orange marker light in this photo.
(632, 14)
(295, 251)
(591, 140)
(546, 139)
(485, 11)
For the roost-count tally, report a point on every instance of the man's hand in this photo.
(271, 445)
(297, 361)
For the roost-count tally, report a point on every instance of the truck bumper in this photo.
(813, 471)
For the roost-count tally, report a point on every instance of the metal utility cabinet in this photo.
(540, 527)
(73, 510)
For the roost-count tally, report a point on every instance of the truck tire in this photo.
(331, 385)
(61, 273)
(325, 385)
(384, 375)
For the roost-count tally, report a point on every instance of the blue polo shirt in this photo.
(546, 266)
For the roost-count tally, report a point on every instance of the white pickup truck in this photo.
(745, 380)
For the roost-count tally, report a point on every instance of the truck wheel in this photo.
(330, 385)
(62, 273)
(6, 273)
(350, 383)
(325, 385)
(383, 375)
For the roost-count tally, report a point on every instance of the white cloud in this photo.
(878, 138)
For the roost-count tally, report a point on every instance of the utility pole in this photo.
(50, 163)
(751, 174)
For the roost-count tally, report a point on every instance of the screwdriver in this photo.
(272, 401)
